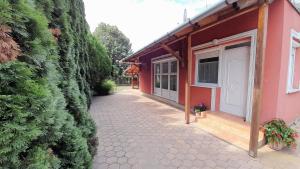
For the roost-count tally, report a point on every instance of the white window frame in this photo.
(292, 58)
(160, 60)
(157, 74)
(200, 55)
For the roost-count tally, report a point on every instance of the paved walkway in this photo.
(139, 133)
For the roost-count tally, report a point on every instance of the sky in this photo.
(142, 21)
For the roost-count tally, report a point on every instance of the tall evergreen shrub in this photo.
(45, 93)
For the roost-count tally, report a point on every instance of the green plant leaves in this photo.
(277, 131)
(44, 96)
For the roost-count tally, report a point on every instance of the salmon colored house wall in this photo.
(146, 71)
(245, 23)
(275, 101)
(288, 105)
(272, 61)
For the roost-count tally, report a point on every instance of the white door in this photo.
(235, 84)
(166, 79)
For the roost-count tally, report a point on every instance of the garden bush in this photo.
(106, 87)
(46, 92)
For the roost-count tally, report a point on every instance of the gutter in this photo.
(217, 7)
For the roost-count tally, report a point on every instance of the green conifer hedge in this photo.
(46, 92)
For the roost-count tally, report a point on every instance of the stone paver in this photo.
(136, 132)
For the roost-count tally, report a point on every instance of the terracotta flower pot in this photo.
(203, 114)
(276, 146)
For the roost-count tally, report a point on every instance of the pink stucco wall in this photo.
(246, 22)
(275, 103)
(272, 61)
(288, 107)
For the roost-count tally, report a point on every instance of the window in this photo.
(207, 69)
(293, 84)
(157, 75)
(165, 75)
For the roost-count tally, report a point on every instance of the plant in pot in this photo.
(279, 135)
(200, 110)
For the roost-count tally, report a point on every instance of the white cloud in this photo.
(142, 21)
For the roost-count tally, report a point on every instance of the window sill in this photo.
(206, 85)
(291, 91)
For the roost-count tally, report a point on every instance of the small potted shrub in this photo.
(279, 135)
(200, 110)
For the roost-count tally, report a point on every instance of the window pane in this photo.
(157, 68)
(208, 70)
(165, 67)
(174, 67)
(165, 81)
(157, 81)
(296, 80)
(207, 60)
(173, 82)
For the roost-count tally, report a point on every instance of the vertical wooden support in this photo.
(259, 74)
(188, 80)
(132, 85)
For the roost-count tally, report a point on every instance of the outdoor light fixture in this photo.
(215, 42)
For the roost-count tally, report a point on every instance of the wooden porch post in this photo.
(259, 74)
(132, 85)
(188, 80)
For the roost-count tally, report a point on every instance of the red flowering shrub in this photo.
(277, 131)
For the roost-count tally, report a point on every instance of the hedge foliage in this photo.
(106, 87)
(46, 92)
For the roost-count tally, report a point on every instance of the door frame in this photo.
(220, 44)
(224, 79)
(161, 59)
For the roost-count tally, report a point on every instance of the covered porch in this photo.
(169, 65)
(225, 126)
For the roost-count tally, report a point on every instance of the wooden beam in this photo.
(158, 48)
(172, 52)
(188, 80)
(258, 79)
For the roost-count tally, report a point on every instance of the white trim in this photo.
(198, 57)
(292, 59)
(221, 44)
(253, 36)
(218, 42)
(163, 60)
(164, 57)
(213, 99)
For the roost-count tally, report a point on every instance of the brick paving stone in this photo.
(137, 132)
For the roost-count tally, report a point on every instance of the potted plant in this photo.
(279, 135)
(200, 110)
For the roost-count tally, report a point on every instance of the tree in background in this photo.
(118, 46)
